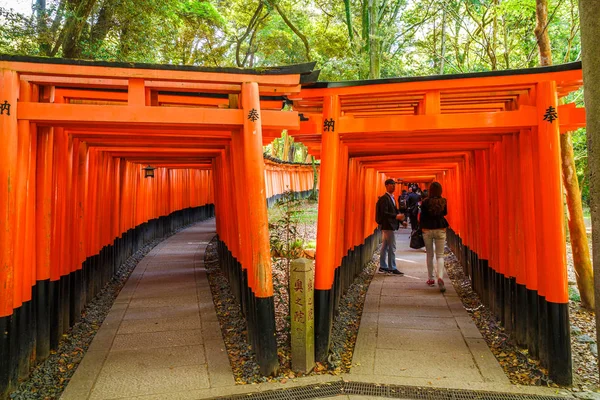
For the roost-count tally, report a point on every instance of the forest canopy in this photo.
(349, 39)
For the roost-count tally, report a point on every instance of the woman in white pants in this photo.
(433, 210)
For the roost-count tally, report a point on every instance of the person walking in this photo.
(388, 217)
(413, 207)
(433, 224)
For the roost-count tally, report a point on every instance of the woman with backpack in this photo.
(433, 224)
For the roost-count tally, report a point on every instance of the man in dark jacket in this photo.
(413, 207)
(388, 217)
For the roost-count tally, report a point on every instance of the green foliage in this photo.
(286, 241)
(350, 39)
(417, 37)
(574, 294)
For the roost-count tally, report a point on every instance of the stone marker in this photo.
(302, 315)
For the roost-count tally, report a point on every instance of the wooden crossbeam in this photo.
(156, 116)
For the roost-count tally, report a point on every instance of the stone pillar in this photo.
(302, 315)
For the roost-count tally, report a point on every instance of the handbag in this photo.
(416, 239)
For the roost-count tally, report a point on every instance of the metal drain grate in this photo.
(331, 389)
(314, 391)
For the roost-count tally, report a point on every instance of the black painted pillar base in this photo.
(543, 329)
(509, 303)
(560, 364)
(323, 323)
(533, 344)
(267, 343)
(485, 282)
(521, 315)
(5, 365)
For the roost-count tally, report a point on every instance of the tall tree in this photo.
(590, 32)
(577, 231)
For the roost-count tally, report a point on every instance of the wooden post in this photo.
(9, 89)
(302, 315)
(261, 255)
(591, 59)
(327, 227)
(554, 260)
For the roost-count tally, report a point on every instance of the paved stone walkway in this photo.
(411, 334)
(162, 334)
(161, 339)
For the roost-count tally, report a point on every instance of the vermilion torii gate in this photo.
(481, 135)
(73, 203)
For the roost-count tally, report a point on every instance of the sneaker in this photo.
(383, 270)
(441, 285)
(431, 283)
(396, 272)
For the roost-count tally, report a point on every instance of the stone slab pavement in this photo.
(412, 334)
(162, 340)
(162, 335)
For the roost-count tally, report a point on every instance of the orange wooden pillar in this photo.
(482, 203)
(9, 89)
(518, 245)
(530, 233)
(22, 284)
(266, 348)
(44, 173)
(342, 276)
(553, 258)
(327, 224)
(243, 227)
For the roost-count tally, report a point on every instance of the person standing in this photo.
(413, 207)
(433, 224)
(403, 205)
(388, 217)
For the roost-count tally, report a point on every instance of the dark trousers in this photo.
(414, 221)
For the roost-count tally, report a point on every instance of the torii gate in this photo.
(478, 134)
(74, 205)
(74, 131)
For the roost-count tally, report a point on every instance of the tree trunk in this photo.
(274, 146)
(443, 49)
(349, 22)
(42, 27)
(374, 68)
(71, 44)
(541, 32)
(292, 27)
(579, 243)
(102, 26)
(577, 231)
(590, 32)
(286, 147)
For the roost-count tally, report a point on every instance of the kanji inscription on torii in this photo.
(550, 114)
(302, 314)
(329, 125)
(5, 107)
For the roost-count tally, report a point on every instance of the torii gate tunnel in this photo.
(75, 135)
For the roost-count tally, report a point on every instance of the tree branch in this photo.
(292, 27)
